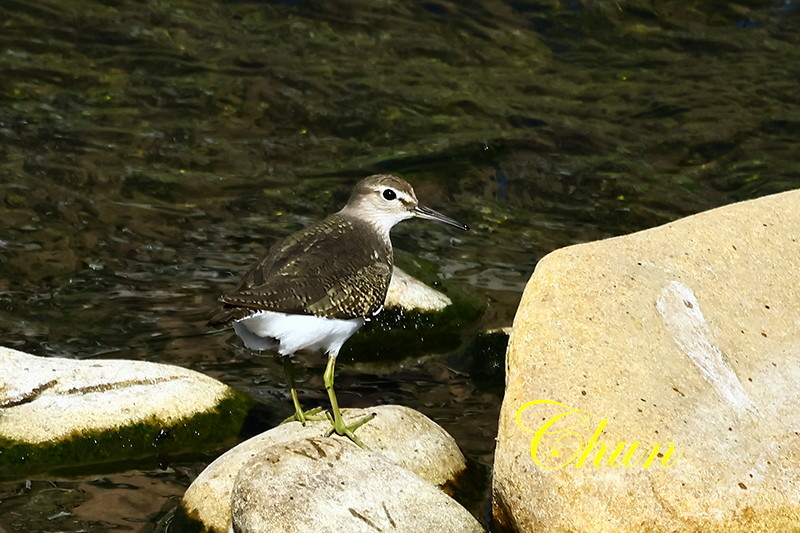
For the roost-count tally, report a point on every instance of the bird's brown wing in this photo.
(337, 268)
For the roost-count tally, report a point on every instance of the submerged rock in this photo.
(61, 413)
(399, 435)
(327, 485)
(653, 381)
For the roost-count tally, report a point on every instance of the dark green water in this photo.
(150, 151)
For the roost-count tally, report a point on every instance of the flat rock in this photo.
(46, 402)
(683, 339)
(327, 485)
(402, 436)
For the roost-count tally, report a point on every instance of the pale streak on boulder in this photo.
(402, 436)
(687, 333)
(410, 294)
(328, 485)
(684, 320)
(47, 399)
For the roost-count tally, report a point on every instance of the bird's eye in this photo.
(389, 194)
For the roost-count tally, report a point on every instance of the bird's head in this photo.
(384, 200)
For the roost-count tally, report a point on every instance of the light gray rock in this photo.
(683, 337)
(45, 399)
(411, 294)
(327, 485)
(400, 435)
(61, 413)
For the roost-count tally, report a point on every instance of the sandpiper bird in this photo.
(317, 287)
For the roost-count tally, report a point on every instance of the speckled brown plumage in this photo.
(337, 268)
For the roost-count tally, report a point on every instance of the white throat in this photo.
(383, 221)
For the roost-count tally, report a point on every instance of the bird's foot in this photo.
(340, 428)
(312, 415)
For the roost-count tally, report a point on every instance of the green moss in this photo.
(182, 522)
(422, 269)
(143, 442)
(484, 358)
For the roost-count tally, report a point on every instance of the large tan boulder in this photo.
(685, 337)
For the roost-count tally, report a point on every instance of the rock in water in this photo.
(410, 294)
(57, 412)
(683, 339)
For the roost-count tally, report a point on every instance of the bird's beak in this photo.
(429, 214)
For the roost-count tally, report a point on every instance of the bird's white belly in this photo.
(266, 330)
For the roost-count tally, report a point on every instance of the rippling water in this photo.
(150, 151)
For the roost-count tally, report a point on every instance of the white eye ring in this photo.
(389, 194)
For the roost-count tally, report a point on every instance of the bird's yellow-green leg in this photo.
(337, 423)
(299, 415)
